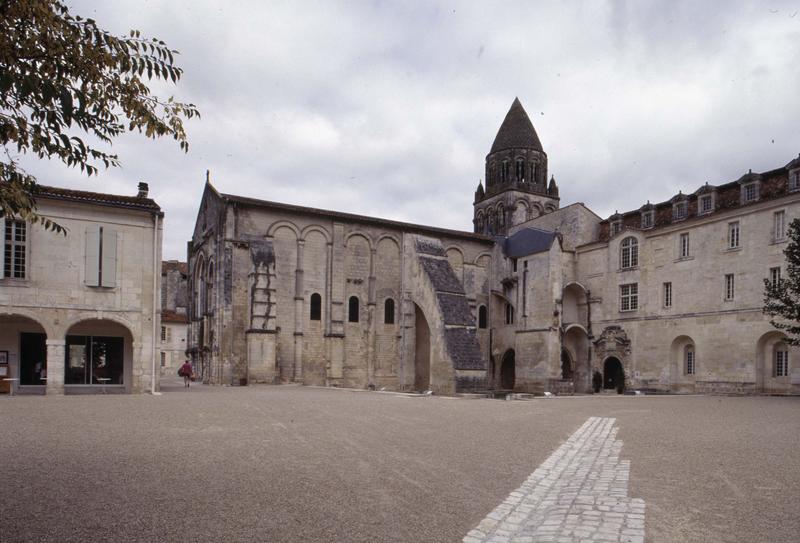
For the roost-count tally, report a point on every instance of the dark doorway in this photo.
(508, 371)
(613, 376)
(32, 359)
(422, 351)
(566, 365)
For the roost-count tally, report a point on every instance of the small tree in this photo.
(782, 297)
(61, 74)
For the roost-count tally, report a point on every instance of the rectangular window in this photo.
(101, 256)
(667, 294)
(679, 211)
(15, 241)
(733, 235)
(705, 204)
(774, 276)
(163, 360)
(750, 193)
(647, 219)
(616, 228)
(730, 291)
(779, 219)
(509, 314)
(163, 333)
(629, 297)
(689, 362)
(514, 264)
(684, 245)
(794, 180)
(94, 360)
(781, 363)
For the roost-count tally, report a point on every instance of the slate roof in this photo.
(517, 131)
(100, 198)
(527, 241)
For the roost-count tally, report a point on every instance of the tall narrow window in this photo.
(388, 311)
(504, 171)
(352, 309)
(101, 256)
(520, 169)
(733, 235)
(629, 297)
(794, 180)
(781, 361)
(690, 368)
(667, 294)
(315, 307)
(163, 359)
(482, 320)
(15, 240)
(532, 177)
(629, 253)
(730, 287)
(163, 333)
(509, 314)
(684, 245)
(774, 276)
(779, 219)
(209, 309)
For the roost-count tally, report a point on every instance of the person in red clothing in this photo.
(186, 372)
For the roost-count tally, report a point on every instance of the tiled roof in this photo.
(170, 265)
(100, 198)
(517, 131)
(168, 315)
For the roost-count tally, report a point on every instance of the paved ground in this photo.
(304, 464)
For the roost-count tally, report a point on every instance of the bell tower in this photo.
(517, 187)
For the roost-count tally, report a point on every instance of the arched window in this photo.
(532, 177)
(520, 170)
(199, 288)
(504, 171)
(509, 314)
(482, 317)
(352, 309)
(388, 311)
(629, 253)
(780, 367)
(501, 216)
(315, 307)
(690, 366)
(209, 301)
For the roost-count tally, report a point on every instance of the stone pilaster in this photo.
(55, 366)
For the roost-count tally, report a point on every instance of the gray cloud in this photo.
(389, 109)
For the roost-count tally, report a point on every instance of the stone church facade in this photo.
(538, 298)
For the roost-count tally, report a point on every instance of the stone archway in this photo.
(566, 365)
(23, 341)
(508, 371)
(613, 375)
(422, 351)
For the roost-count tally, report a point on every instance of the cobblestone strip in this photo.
(579, 494)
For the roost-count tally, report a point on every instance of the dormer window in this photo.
(679, 211)
(794, 180)
(705, 204)
(750, 192)
(647, 219)
(616, 227)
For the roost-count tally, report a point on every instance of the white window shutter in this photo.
(92, 271)
(2, 246)
(109, 276)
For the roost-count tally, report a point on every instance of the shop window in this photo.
(90, 360)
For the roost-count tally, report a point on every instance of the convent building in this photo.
(539, 297)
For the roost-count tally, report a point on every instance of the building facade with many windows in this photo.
(539, 297)
(79, 312)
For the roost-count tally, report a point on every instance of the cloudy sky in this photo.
(389, 108)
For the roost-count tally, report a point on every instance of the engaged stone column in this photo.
(55, 366)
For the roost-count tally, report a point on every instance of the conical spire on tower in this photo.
(517, 131)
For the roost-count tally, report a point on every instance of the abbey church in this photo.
(540, 297)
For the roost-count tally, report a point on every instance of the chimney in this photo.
(143, 189)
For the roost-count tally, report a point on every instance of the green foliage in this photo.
(782, 300)
(60, 75)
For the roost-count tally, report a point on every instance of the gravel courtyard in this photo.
(288, 463)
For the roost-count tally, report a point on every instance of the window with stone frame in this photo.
(794, 180)
(315, 307)
(705, 204)
(616, 227)
(679, 211)
(730, 287)
(532, 178)
(779, 228)
(629, 253)
(683, 245)
(388, 311)
(733, 235)
(163, 359)
(775, 276)
(509, 314)
(504, 171)
(647, 219)
(629, 297)
(15, 247)
(520, 170)
(689, 366)
(482, 317)
(667, 288)
(352, 309)
(750, 192)
(780, 358)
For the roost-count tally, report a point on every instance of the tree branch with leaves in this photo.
(63, 78)
(782, 297)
